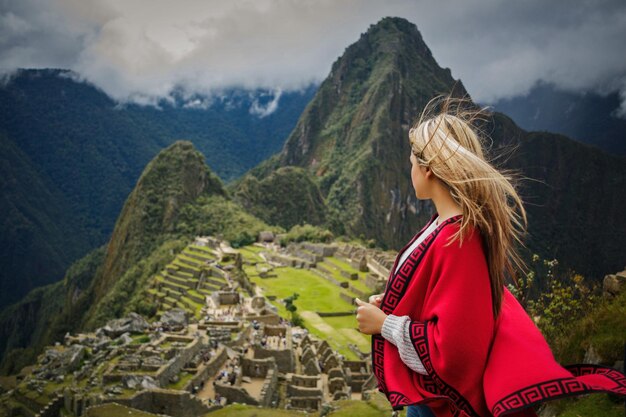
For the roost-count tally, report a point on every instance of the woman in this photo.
(448, 338)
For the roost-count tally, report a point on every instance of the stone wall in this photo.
(225, 298)
(346, 297)
(257, 368)
(209, 369)
(305, 403)
(375, 282)
(169, 402)
(242, 338)
(235, 394)
(359, 293)
(173, 368)
(320, 249)
(275, 331)
(269, 387)
(303, 380)
(285, 358)
(296, 391)
(269, 318)
(53, 407)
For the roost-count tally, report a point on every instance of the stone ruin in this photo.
(239, 350)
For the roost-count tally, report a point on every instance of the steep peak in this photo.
(176, 176)
(394, 34)
(393, 40)
(384, 78)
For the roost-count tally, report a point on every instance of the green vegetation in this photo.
(377, 406)
(315, 294)
(183, 379)
(284, 198)
(72, 156)
(241, 410)
(572, 314)
(589, 405)
(127, 294)
(115, 410)
(38, 235)
(292, 309)
(306, 232)
(218, 216)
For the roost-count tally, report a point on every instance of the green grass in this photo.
(341, 264)
(114, 410)
(378, 406)
(251, 253)
(241, 410)
(316, 294)
(196, 262)
(183, 378)
(208, 251)
(347, 325)
(589, 406)
(196, 308)
(335, 271)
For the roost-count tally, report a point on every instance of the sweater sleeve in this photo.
(396, 330)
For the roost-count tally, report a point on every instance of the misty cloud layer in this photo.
(141, 50)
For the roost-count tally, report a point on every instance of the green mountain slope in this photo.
(39, 238)
(176, 197)
(352, 140)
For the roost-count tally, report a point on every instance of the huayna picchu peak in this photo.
(352, 140)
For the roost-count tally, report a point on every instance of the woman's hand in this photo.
(370, 317)
(376, 299)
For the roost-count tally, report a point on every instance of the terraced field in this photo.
(319, 297)
(186, 282)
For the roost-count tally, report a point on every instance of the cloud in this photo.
(268, 107)
(144, 50)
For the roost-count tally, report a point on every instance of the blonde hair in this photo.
(447, 138)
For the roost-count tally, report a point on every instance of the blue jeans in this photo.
(419, 411)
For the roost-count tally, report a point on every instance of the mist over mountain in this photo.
(589, 117)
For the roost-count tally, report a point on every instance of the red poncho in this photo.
(476, 367)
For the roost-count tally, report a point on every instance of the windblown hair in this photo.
(449, 140)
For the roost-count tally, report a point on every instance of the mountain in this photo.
(71, 156)
(350, 136)
(176, 197)
(39, 238)
(587, 117)
(305, 199)
(352, 141)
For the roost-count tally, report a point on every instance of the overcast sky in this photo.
(140, 49)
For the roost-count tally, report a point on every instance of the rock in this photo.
(73, 356)
(125, 338)
(136, 382)
(174, 319)
(134, 323)
(592, 357)
(246, 379)
(148, 383)
(266, 236)
(614, 284)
